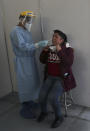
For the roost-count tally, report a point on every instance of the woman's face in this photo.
(56, 39)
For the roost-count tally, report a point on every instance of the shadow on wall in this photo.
(45, 28)
(79, 69)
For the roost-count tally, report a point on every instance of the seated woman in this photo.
(58, 75)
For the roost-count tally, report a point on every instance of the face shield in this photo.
(28, 23)
(27, 18)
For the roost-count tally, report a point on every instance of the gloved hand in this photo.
(41, 43)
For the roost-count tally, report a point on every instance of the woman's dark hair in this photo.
(61, 34)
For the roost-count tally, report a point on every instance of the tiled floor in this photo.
(78, 118)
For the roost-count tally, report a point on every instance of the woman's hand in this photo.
(46, 48)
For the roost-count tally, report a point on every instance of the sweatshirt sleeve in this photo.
(44, 57)
(66, 55)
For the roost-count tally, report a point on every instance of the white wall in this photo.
(72, 17)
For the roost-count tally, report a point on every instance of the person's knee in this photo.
(54, 100)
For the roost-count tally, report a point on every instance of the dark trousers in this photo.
(52, 89)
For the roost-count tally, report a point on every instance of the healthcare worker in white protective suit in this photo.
(25, 64)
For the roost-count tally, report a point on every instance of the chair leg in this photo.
(71, 98)
(65, 103)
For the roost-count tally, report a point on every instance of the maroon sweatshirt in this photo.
(60, 65)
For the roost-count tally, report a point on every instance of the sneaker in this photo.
(57, 122)
(41, 117)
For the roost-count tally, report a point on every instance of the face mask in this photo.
(28, 26)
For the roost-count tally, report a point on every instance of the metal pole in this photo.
(41, 21)
(7, 52)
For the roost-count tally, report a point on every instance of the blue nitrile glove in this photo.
(43, 43)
